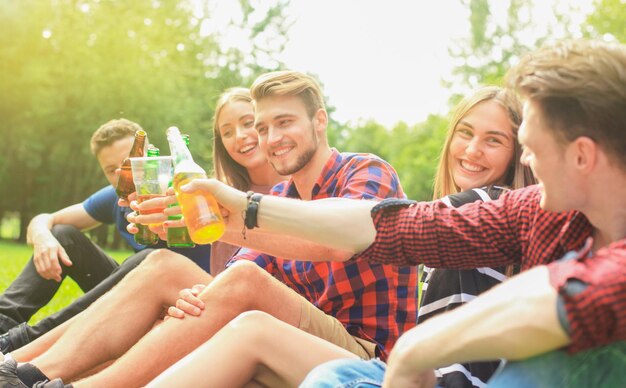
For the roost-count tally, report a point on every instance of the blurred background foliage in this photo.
(67, 66)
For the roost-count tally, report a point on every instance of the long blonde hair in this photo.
(517, 175)
(227, 169)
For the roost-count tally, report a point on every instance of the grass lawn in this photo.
(13, 257)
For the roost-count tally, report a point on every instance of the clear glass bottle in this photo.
(179, 237)
(202, 215)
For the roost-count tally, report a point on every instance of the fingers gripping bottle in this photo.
(179, 237)
(200, 210)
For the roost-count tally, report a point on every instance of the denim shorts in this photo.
(346, 373)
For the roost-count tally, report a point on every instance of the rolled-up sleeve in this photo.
(474, 235)
(596, 315)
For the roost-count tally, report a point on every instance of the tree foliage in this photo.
(411, 150)
(67, 66)
(608, 20)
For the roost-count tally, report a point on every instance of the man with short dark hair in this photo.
(61, 249)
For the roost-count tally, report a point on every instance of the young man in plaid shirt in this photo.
(361, 306)
(568, 233)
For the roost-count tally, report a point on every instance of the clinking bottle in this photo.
(201, 212)
(144, 235)
(179, 237)
(125, 185)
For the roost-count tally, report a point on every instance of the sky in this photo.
(378, 60)
(381, 60)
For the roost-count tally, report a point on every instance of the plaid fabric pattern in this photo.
(375, 302)
(596, 315)
(514, 229)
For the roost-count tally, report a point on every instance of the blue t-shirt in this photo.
(102, 206)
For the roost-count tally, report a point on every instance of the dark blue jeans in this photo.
(29, 291)
(108, 277)
(596, 368)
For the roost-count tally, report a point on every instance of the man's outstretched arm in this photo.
(332, 229)
(342, 224)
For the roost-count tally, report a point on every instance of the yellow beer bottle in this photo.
(200, 210)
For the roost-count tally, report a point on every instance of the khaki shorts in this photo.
(322, 325)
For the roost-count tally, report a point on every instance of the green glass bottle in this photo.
(179, 237)
(144, 235)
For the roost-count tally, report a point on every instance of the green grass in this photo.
(13, 257)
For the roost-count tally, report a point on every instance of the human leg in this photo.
(29, 291)
(24, 334)
(117, 320)
(253, 346)
(243, 287)
(42, 344)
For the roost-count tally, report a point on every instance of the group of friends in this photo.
(315, 281)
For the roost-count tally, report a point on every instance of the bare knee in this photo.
(252, 320)
(163, 266)
(161, 260)
(66, 234)
(240, 284)
(253, 326)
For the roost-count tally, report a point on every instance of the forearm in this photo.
(514, 320)
(341, 224)
(277, 245)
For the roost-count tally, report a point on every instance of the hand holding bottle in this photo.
(203, 217)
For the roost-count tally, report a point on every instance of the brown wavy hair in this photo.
(226, 169)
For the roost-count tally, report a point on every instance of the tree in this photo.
(412, 150)
(68, 66)
(607, 20)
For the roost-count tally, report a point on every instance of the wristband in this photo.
(250, 220)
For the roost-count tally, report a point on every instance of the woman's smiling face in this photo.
(482, 147)
(240, 139)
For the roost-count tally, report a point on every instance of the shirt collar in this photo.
(575, 232)
(333, 164)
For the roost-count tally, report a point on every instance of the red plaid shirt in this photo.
(373, 301)
(508, 230)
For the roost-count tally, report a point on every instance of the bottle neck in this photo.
(139, 145)
(181, 156)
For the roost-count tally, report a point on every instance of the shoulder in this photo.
(102, 205)
(104, 195)
(358, 157)
(364, 161)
